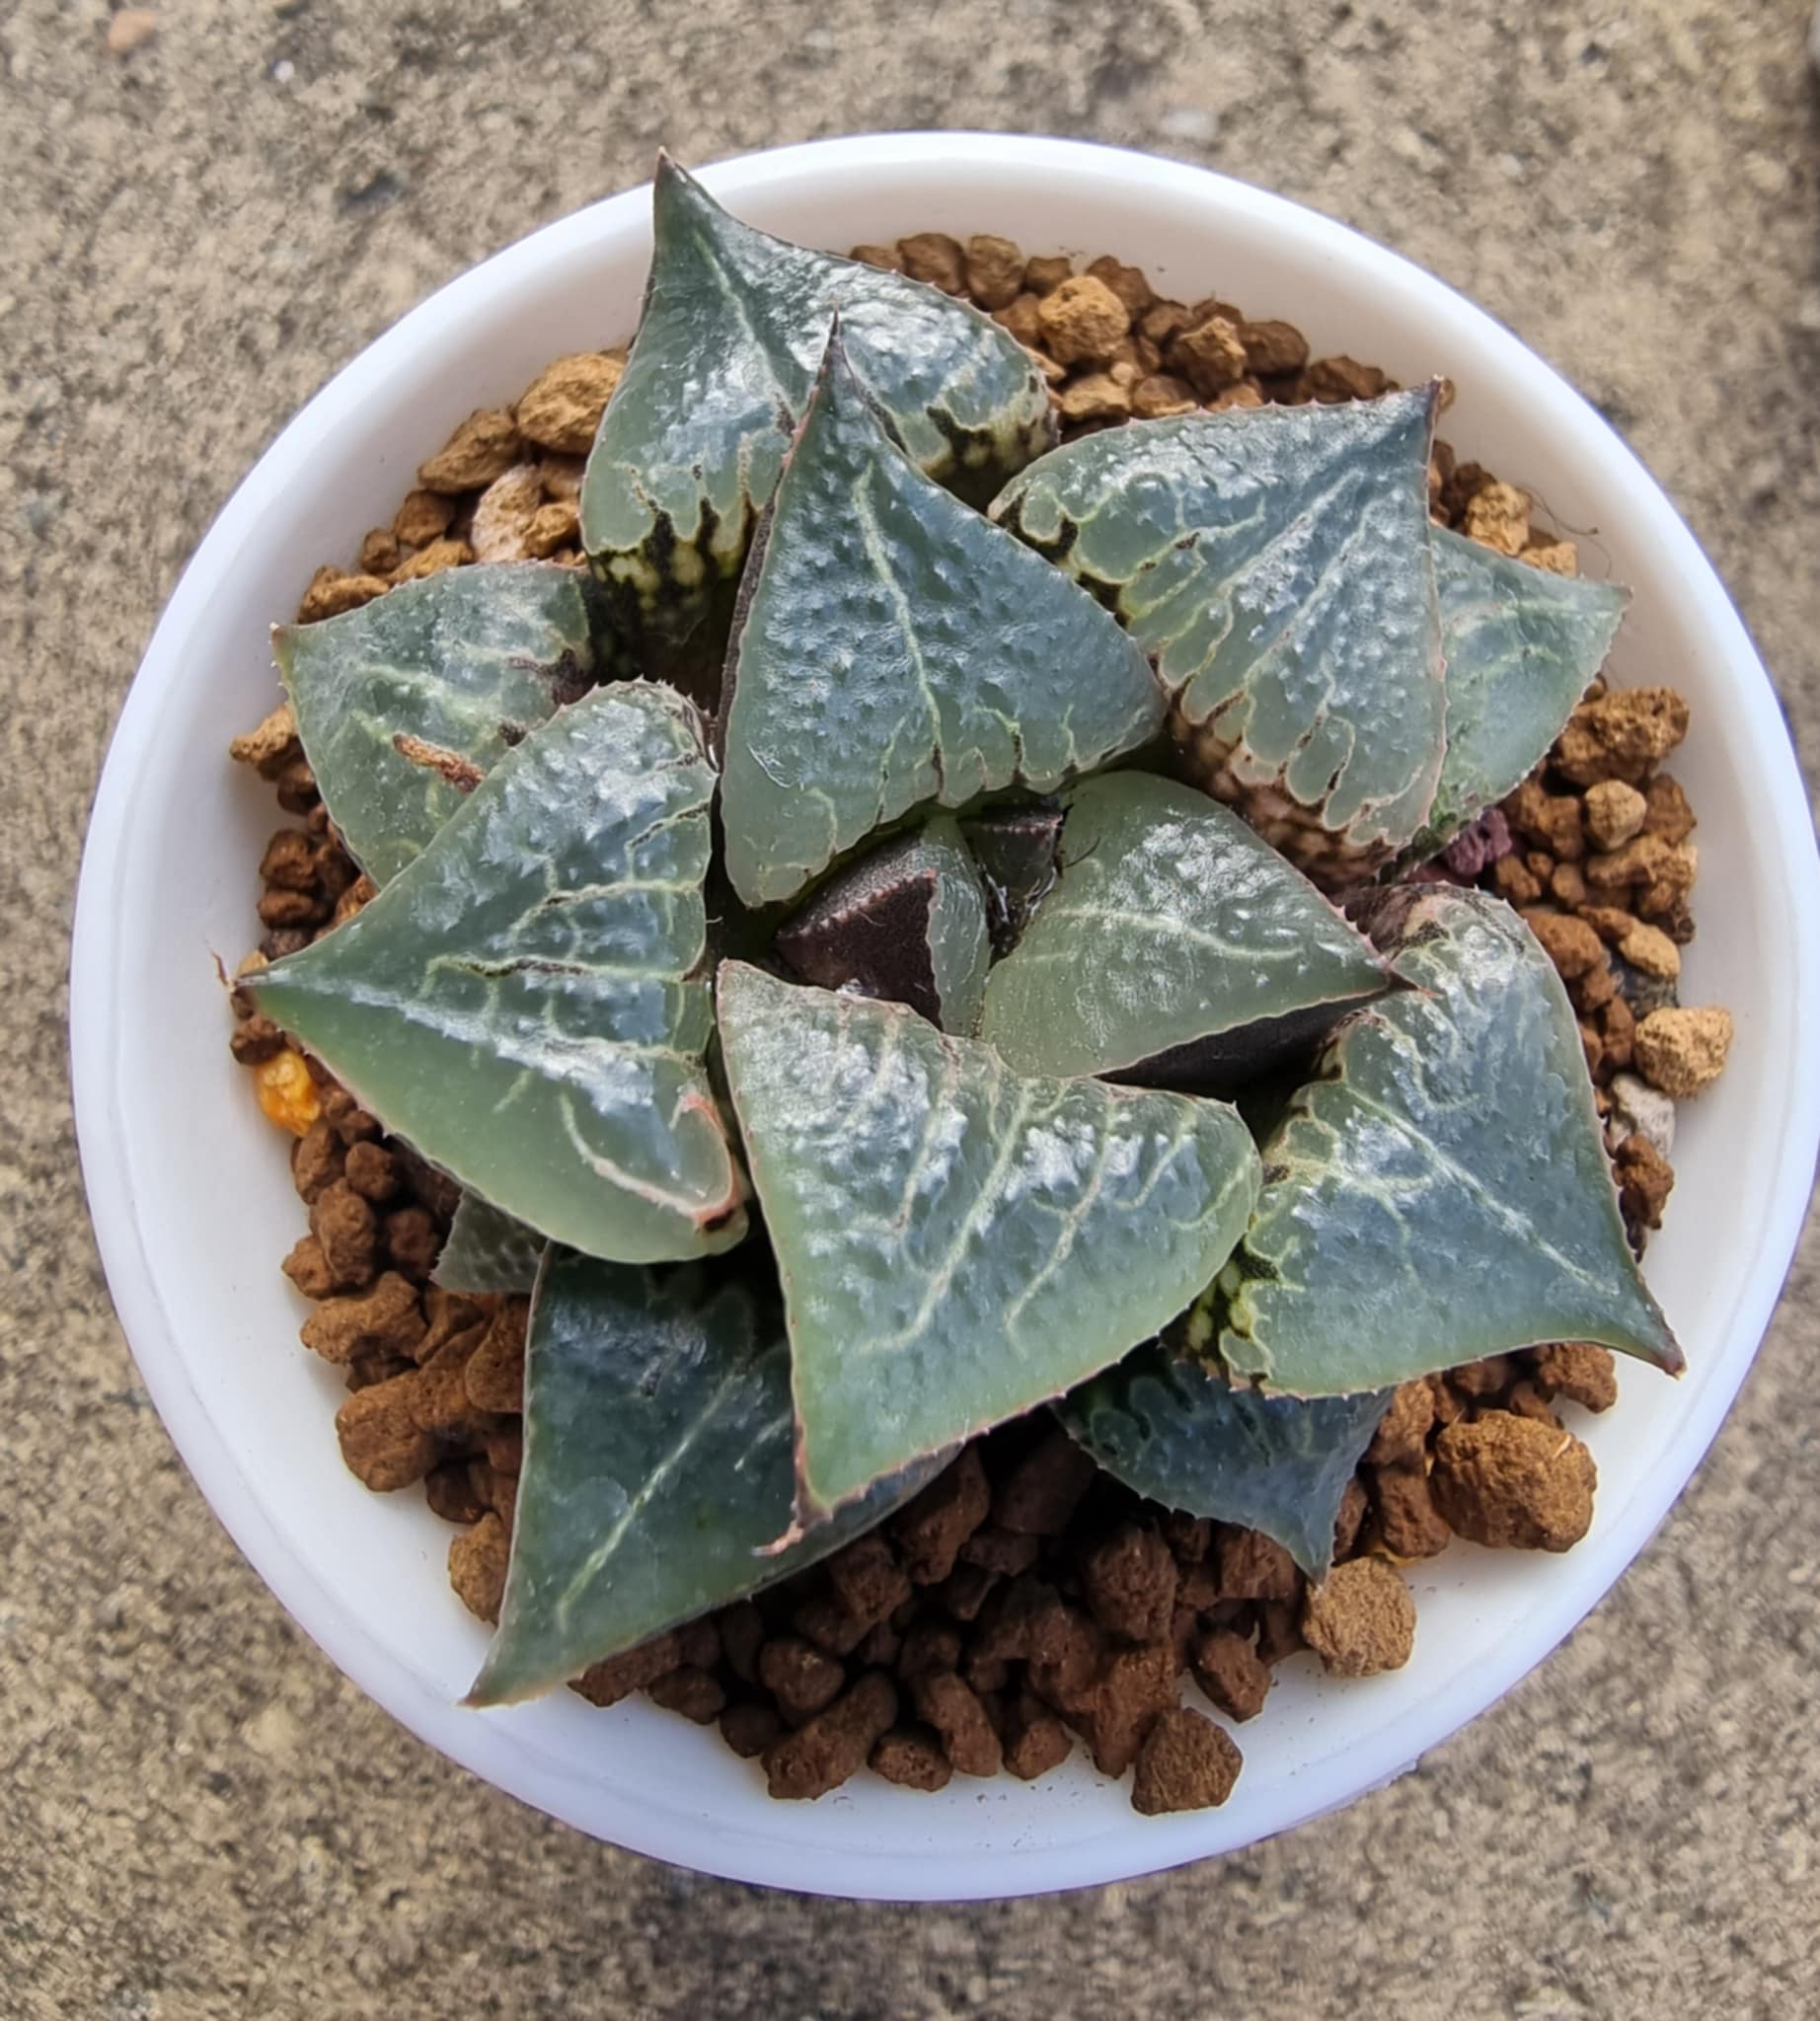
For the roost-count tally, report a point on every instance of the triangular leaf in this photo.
(404, 703)
(1521, 646)
(1274, 562)
(521, 1002)
(657, 1437)
(1180, 1433)
(1175, 932)
(489, 1251)
(958, 1243)
(1441, 1192)
(895, 648)
(906, 923)
(735, 323)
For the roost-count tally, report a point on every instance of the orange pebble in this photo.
(287, 1092)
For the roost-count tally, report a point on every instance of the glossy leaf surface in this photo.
(1180, 1434)
(521, 1001)
(1441, 1193)
(1522, 645)
(657, 1437)
(895, 649)
(1172, 922)
(1274, 563)
(733, 329)
(456, 669)
(958, 1243)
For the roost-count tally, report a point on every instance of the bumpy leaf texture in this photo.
(1177, 945)
(1180, 1433)
(1441, 1192)
(1521, 646)
(521, 1001)
(958, 1243)
(658, 1436)
(906, 923)
(734, 329)
(1274, 563)
(405, 703)
(894, 648)
(487, 1252)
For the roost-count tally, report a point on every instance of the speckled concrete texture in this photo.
(201, 1818)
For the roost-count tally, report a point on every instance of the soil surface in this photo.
(206, 221)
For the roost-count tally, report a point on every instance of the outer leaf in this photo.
(1442, 1193)
(906, 923)
(1274, 563)
(1173, 928)
(894, 649)
(489, 1251)
(733, 329)
(1521, 646)
(1183, 1434)
(656, 1467)
(518, 1001)
(958, 1243)
(462, 664)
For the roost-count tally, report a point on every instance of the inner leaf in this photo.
(1175, 930)
(404, 703)
(658, 1436)
(894, 649)
(1441, 1192)
(733, 329)
(487, 1252)
(1180, 1433)
(906, 923)
(522, 1001)
(958, 1242)
(1274, 563)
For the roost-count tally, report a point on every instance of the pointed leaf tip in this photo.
(521, 1001)
(894, 649)
(958, 1243)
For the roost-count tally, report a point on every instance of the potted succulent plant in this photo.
(930, 927)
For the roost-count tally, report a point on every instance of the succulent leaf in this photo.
(487, 1252)
(521, 1001)
(894, 648)
(1441, 1192)
(405, 703)
(1175, 932)
(958, 1243)
(733, 329)
(1274, 561)
(907, 923)
(1016, 850)
(656, 1473)
(1522, 645)
(1180, 1433)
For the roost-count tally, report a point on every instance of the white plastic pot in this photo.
(188, 1186)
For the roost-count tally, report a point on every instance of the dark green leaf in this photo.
(894, 649)
(1521, 646)
(489, 1251)
(1274, 563)
(1180, 1434)
(657, 1437)
(1016, 850)
(521, 1002)
(403, 702)
(1172, 925)
(733, 329)
(906, 923)
(1441, 1193)
(958, 1243)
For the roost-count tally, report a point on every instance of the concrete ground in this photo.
(203, 1817)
